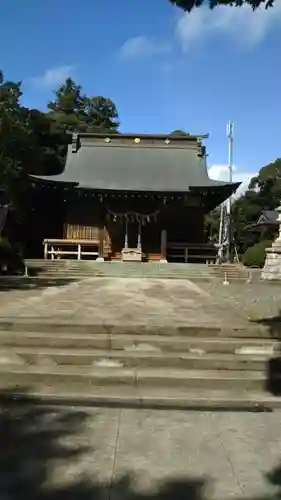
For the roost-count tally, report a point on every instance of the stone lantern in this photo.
(272, 266)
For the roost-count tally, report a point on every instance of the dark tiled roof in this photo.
(267, 218)
(133, 167)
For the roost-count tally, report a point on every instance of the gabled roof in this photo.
(268, 218)
(132, 162)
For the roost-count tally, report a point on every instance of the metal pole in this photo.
(230, 129)
(221, 226)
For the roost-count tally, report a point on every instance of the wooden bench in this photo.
(57, 248)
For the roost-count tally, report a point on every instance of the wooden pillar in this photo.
(139, 236)
(101, 245)
(164, 245)
(126, 233)
(45, 250)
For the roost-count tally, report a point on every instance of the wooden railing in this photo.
(189, 252)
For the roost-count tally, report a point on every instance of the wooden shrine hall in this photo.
(133, 197)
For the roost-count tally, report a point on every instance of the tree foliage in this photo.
(179, 132)
(255, 255)
(189, 5)
(77, 112)
(33, 142)
(263, 193)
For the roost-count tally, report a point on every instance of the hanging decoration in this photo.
(132, 216)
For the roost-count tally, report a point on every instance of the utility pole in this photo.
(229, 130)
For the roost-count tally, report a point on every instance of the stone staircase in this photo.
(232, 272)
(74, 269)
(180, 367)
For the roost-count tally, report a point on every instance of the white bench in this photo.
(54, 248)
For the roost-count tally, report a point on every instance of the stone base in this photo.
(163, 261)
(100, 259)
(272, 266)
(131, 255)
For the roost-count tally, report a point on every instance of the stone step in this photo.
(121, 274)
(134, 358)
(150, 398)
(230, 271)
(132, 272)
(73, 269)
(130, 332)
(117, 268)
(135, 274)
(34, 376)
(133, 343)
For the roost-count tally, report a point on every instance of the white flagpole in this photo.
(230, 131)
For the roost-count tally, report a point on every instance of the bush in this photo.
(255, 255)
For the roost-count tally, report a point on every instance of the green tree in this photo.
(80, 113)
(189, 5)
(13, 134)
(29, 144)
(179, 132)
(268, 185)
(264, 193)
(100, 114)
(67, 107)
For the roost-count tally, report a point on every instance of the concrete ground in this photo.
(137, 455)
(122, 301)
(255, 301)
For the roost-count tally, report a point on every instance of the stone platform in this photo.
(121, 301)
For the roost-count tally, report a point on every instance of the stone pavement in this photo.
(122, 301)
(137, 454)
(255, 300)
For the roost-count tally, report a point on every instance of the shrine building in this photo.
(133, 197)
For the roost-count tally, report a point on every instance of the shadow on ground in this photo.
(273, 324)
(22, 283)
(31, 439)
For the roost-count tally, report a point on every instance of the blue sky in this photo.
(163, 69)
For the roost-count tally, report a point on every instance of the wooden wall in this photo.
(80, 232)
(84, 220)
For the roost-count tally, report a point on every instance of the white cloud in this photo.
(141, 47)
(53, 76)
(246, 27)
(221, 173)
